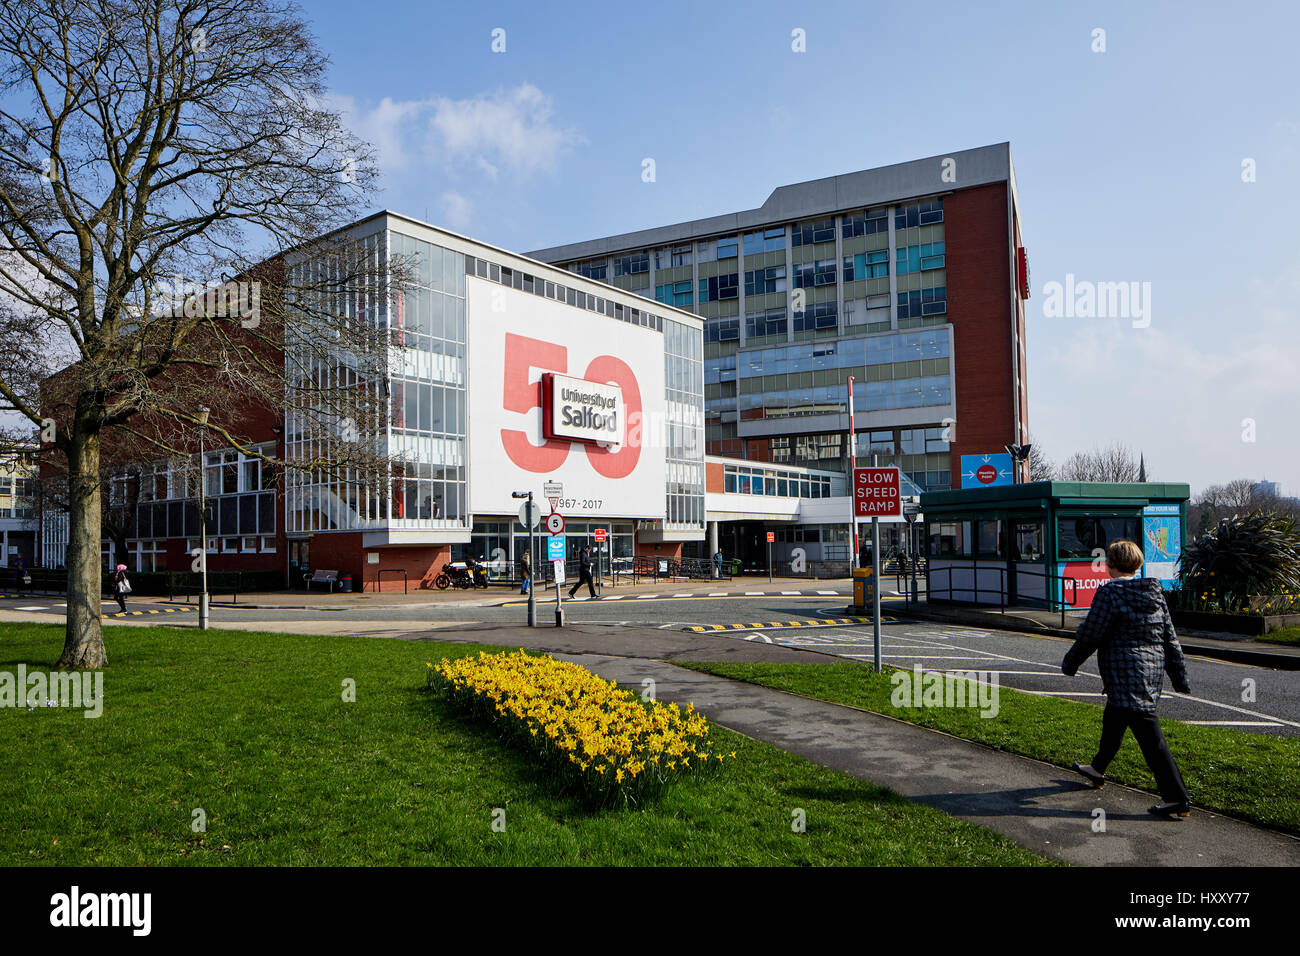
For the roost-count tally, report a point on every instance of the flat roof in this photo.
(1073, 492)
(867, 187)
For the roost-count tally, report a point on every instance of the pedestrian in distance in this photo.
(584, 573)
(121, 586)
(1130, 629)
(717, 564)
(525, 574)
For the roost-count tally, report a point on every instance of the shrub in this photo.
(1247, 564)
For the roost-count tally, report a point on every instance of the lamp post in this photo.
(1018, 454)
(203, 519)
(532, 572)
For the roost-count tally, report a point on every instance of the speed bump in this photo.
(817, 622)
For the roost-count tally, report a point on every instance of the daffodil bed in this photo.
(607, 744)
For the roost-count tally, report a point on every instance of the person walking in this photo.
(717, 564)
(121, 586)
(584, 573)
(1130, 629)
(525, 574)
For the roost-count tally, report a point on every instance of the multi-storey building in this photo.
(908, 279)
(18, 517)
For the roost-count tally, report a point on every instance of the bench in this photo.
(322, 577)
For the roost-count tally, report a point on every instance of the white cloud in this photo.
(457, 211)
(511, 128)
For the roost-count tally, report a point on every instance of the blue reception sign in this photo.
(555, 548)
(986, 471)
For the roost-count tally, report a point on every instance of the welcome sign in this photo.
(577, 410)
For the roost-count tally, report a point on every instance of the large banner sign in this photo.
(577, 410)
(562, 394)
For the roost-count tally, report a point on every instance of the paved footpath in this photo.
(1038, 805)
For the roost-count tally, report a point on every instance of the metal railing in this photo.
(974, 587)
(1053, 603)
(379, 580)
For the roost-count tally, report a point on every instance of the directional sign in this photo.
(555, 523)
(986, 471)
(876, 493)
(598, 534)
(555, 548)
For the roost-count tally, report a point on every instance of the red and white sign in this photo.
(1087, 580)
(771, 536)
(612, 371)
(555, 523)
(876, 493)
(598, 534)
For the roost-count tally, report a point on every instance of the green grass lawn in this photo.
(1250, 776)
(252, 728)
(1282, 635)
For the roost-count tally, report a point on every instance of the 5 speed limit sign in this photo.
(555, 523)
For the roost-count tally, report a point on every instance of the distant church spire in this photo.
(1142, 468)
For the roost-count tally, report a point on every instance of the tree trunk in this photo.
(83, 646)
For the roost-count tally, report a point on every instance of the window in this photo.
(949, 539)
(728, 248)
(250, 546)
(769, 240)
(866, 223)
(230, 545)
(821, 272)
(819, 315)
(764, 281)
(867, 265)
(675, 293)
(1028, 544)
(917, 258)
(771, 322)
(717, 288)
(268, 545)
(722, 330)
(592, 269)
(1078, 537)
(919, 214)
(632, 265)
(989, 540)
(913, 305)
(806, 233)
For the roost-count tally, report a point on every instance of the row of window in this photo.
(864, 223)
(561, 293)
(847, 353)
(1076, 539)
(739, 480)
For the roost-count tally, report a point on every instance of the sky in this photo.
(1164, 151)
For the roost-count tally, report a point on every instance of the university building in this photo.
(910, 279)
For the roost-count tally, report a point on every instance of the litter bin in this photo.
(863, 588)
(345, 582)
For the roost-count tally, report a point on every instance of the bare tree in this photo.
(167, 171)
(1041, 468)
(1115, 462)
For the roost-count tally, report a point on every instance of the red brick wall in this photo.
(342, 552)
(714, 480)
(979, 276)
(668, 549)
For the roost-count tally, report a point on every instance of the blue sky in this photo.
(1129, 165)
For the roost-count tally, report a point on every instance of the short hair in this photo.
(1124, 556)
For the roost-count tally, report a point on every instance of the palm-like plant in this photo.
(1249, 555)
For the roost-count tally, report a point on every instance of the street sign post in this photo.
(555, 552)
(876, 495)
(598, 535)
(771, 536)
(528, 515)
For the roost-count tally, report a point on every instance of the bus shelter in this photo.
(1043, 544)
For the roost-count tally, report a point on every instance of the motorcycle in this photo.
(462, 574)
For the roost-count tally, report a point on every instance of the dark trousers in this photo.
(584, 574)
(121, 600)
(1147, 732)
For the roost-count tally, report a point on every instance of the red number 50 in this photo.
(522, 355)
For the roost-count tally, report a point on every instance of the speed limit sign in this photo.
(555, 523)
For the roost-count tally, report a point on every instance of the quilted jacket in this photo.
(1129, 628)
